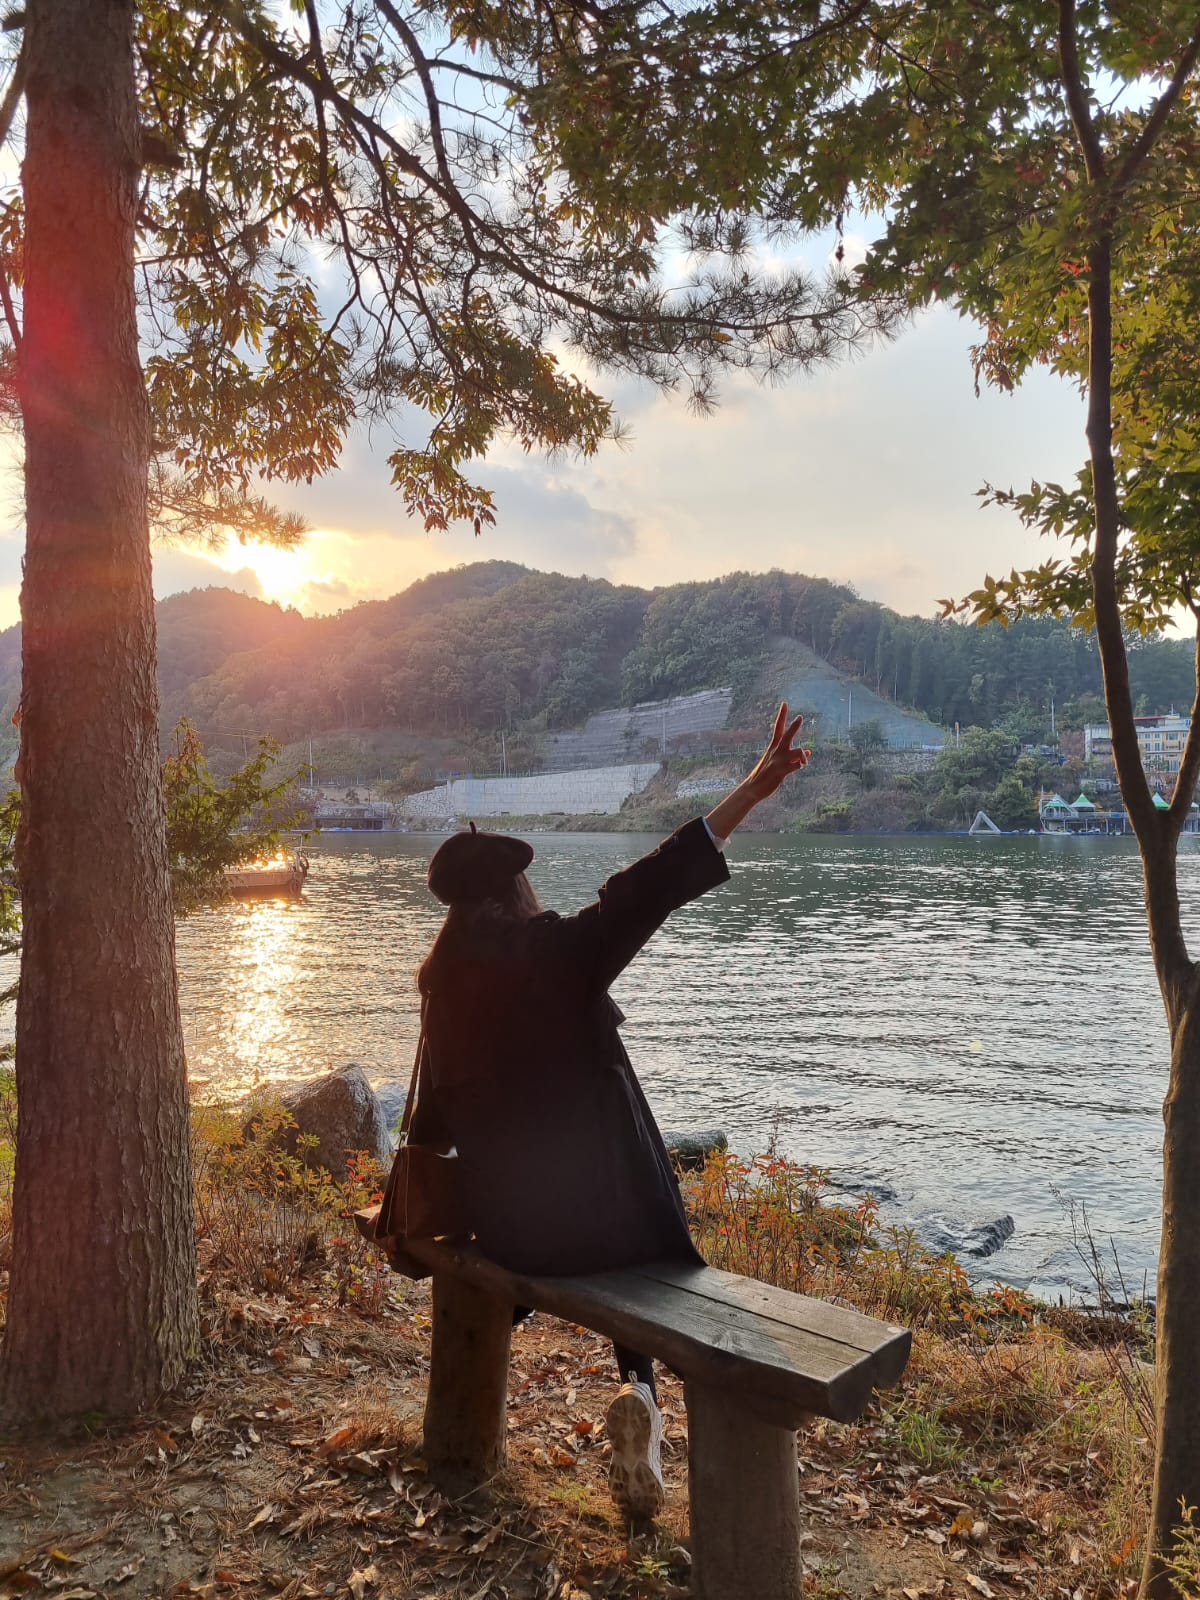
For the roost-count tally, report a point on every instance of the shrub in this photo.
(266, 1217)
(773, 1219)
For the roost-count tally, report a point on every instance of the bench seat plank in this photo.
(842, 1323)
(782, 1367)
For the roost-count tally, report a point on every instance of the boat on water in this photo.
(283, 876)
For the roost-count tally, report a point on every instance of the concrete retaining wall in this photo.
(598, 792)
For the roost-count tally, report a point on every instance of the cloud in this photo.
(543, 520)
(332, 591)
(184, 569)
(865, 472)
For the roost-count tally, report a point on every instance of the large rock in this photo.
(342, 1110)
(689, 1151)
(391, 1097)
(978, 1239)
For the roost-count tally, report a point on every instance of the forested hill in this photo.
(495, 645)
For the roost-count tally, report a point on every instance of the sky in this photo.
(865, 473)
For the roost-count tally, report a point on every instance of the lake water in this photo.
(971, 1027)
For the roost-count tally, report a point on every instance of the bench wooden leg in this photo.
(744, 1490)
(468, 1384)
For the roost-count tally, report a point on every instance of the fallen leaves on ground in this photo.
(291, 1469)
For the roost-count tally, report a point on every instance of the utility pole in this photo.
(850, 710)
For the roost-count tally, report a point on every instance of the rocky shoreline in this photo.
(340, 1112)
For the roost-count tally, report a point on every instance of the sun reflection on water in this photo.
(248, 1040)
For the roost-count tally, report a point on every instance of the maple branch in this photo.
(1148, 137)
(1189, 766)
(1072, 81)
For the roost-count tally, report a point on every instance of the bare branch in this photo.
(432, 103)
(10, 312)
(12, 94)
(497, 80)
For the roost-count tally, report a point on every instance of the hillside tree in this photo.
(1082, 253)
(239, 229)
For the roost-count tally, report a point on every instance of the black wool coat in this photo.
(563, 1163)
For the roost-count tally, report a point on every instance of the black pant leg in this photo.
(642, 1368)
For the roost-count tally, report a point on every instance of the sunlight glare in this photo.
(282, 574)
(262, 950)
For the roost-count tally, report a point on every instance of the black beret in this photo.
(476, 866)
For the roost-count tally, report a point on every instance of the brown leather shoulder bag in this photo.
(425, 1197)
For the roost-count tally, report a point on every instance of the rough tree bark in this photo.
(102, 1308)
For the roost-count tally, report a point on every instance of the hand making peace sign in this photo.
(781, 758)
(778, 761)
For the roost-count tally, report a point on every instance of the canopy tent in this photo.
(1082, 804)
(1161, 803)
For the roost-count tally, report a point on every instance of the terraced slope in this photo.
(610, 738)
(835, 702)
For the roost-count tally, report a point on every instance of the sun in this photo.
(282, 574)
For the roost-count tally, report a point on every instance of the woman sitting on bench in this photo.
(564, 1168)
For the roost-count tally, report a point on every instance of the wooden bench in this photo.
(756, 1362)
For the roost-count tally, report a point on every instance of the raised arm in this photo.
(777, 762)
(603, 939)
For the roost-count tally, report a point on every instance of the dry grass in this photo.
(8, 1147)
(772, 1219)
(1015, 1452)
(267, 1218)
(1044, 1422)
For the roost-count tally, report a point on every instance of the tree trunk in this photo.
(102, 1310)
(1177, 1407)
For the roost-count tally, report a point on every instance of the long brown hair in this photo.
(479, 930)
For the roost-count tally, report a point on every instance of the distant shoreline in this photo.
(601, 824)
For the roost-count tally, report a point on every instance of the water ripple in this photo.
(974, 1024)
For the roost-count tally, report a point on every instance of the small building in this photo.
(1084, 816)
(344, 816)
(1160, 742)
(1078, 816)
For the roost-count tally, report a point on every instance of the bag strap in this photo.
(412, 1087)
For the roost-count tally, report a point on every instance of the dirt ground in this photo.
(291, 1467)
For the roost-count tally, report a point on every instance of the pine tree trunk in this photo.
(1177, 1320)
(102, 1310)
